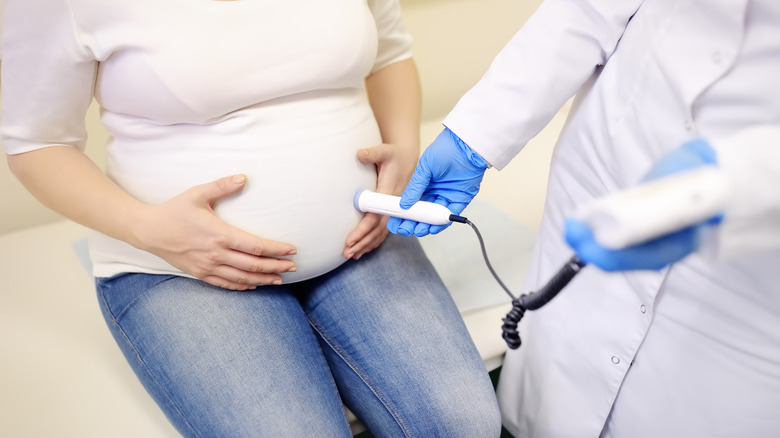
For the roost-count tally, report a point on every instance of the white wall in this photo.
(455, 40)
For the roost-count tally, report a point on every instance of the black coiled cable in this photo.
(509, 330)
(530, 301)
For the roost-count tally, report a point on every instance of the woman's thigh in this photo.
(222, 363)
(397, 345)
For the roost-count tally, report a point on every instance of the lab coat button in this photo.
(615, 360)
(643, 309)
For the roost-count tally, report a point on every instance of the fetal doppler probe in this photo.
(625, 218)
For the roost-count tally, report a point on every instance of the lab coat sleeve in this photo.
(750, 160)
(47, 77)
(544, 64)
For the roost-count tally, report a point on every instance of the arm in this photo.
(67, 181)
(395, 97)
(183, 231)
(543, 65)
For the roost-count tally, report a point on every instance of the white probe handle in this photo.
(656, 208)
(422, 211)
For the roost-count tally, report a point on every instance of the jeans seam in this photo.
(143, 364)
(363, 376)
(127, 307)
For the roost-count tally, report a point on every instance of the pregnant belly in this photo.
(306, 203)
(300, 158)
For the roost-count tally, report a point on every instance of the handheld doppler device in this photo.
(626, 218)
(655, 208)
(389, 205)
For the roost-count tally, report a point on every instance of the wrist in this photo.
(688, 156)
(702, 148)
(138, 222)
(472, 157)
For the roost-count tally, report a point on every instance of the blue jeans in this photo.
(380, 335)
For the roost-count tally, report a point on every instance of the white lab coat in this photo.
(692, 350)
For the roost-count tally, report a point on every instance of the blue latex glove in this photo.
(660, 252)
(448, 173)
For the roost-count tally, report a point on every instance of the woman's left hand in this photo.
(395, 165)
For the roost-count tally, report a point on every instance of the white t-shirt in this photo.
(194, 90)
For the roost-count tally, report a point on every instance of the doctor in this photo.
(669, 345)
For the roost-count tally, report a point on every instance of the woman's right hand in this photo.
(185, 232)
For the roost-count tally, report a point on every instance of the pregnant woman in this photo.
(245, 291)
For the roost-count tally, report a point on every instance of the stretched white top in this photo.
(199, 89)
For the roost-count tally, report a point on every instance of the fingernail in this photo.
(277, 282)
(239, 179)
(349, 255)
(351, 243)
(293, 269)
(293, 252)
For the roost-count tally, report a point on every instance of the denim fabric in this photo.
(381, 335)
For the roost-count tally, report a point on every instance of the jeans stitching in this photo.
(143, 364)
(137, 298)
(363, 376)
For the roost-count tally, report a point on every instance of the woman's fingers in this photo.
(394, 167)
(367, 236)
(238, 270)
(251, 244)
(230, 277)
(252, 264)
(213, 191)
(244, 261)
(372, 240)
(375, 154)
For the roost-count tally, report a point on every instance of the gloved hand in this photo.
(662, 251)
(448, 173)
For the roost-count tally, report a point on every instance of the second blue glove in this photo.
(662, 251)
